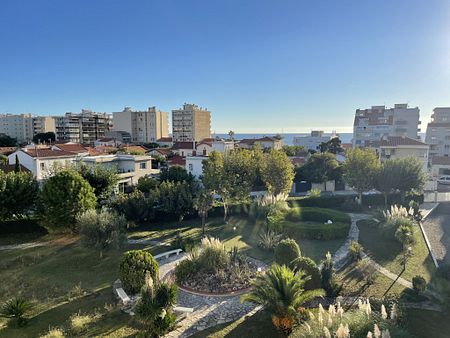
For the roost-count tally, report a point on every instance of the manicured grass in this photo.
(258, 325)
(388, 251)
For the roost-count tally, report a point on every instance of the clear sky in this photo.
(258, 65)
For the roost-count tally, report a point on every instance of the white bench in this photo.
(168, 253)
(123, 296)
(184, 311)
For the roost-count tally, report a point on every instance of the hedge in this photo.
(312, 230)
(320, 215)
(21, 226)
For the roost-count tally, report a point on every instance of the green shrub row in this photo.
(21, 226)
(320, 215)
(317, 230)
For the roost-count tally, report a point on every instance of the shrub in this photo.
(355, 251)
(313, 230)
(268, 240)
(53, 333)
(367, 270)
(16, 308)
(286, 251)
(133, 268)
(79, 323)
(419, 284)
(405, 235)
(213, 256)
(184, 270)
(328, 277)
(136, 207)
(102, 230)
(314, 193)
(309, 267)
(317, 215)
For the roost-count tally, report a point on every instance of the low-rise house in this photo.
(194, 165)
(132, 149)
(160, 152)
(107, 142)
(129, 167)
(42, 163)
(313, 141)
(265, 142)
(184, 149)
(74, 148)
(440, 165)
(206, 146)
(7, 150)
(165, 142)
(176, 160)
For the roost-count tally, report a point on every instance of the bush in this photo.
(133, 268)
(317, 215)
(355, 251)
(136, 207)
(269, 240)
(328, 277)
(367, 270)
(310, 268)
(312, 230)
(286, 251)
(419, 284)
(53, 333)
(213, 256)
(79, 323)
(184, 270)
(16, 308)
(21, 226)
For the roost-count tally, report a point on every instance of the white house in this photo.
(264, 142)
(107, 142)
(313, 141)
(42, 162)
(206, 146)
(194, 165)
(184, 149)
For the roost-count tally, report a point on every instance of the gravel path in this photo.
(437, 228)
(22, 246)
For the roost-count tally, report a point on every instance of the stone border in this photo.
(225, 294)
(425, 237)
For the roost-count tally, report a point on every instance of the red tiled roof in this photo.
(440, 160)
(346, 145)
(183, 145)
(177, 160)
(106, 139)
(11, 167)
(394, 141)
(7, 150)
(40, 153)
(162, 151)
(72, 148)
(134, 148)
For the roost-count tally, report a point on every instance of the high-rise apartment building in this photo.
(43, 124)
(84, 127)
(19, 126)
(438, 132)
(191, 123)
(372, 124)
(143, 126)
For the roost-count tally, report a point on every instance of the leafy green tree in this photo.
(7, 141)
(333, 146)
(147, 184)
(277, 172)
(17, 168)
(411, 175)
(63, 196)
(203, 203)
(311, 269)
(387, 178)
(281, 292)
(3, 159)
(231, 135)
(328, 276)
(136, 207)
(321, 167)
(102, 179)
(239, 173)
(102, 230)
(360, 168)
(175, 174)
(293, 150)
(44, 137)
(135, 267)
(286, 251)
(177, 198)
(18, 193)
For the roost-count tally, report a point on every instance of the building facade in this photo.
(144, 126)
(19, 126)
(378, 121)
(84, 127)
(191, 123)
(438, 132)
(43, 124)
(313, 141)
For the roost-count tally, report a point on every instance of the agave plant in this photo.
(281, 292)
(16, 308)
(269, 239)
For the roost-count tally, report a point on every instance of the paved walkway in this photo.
(437, 229)
(22, 246)
(208, 311)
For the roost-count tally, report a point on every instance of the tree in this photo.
(231, 135)
(328, 276)
(360, 168)
(3, 159)
(177, 198)
(411, 175)
(203, 203)
(239, 174)
(293, 150)
(332, 146)
(286, 252)
(175, 174)
(102, 179)
(18, 193)
(136, 207)
(17, 168)
(281, 292)
(63, 196)
(321, 167)
(44, 137)
(387, 178)
(102, 230)
(277, 172)
(147, 184)
(134, 267)
(7, 141)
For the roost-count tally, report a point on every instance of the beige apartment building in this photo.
(18, 126)
(191, 123)
(143, 126)
(44, 124)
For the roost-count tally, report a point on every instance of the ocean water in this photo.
(288, 138)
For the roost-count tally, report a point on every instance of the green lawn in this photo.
(388, 251)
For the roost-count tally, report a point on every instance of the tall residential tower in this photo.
(191, 123)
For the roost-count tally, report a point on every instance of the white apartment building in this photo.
(438, 132)
(191, 123)
(313, 141)
(374, 123)
(143, 126)
(84, 127)
(19, 126)
(194, 165)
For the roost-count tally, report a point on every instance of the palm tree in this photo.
(203, 203)
(281, 292)
(231, 134)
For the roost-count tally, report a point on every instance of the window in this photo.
(191, 167)
(143, 165)
(42, 166)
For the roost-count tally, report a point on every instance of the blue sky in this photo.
(258, 65)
